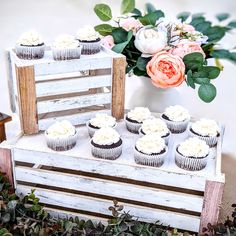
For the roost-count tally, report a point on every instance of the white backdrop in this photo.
(54, 17)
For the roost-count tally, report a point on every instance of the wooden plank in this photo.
(110, 188)
(211, 204)
(109, 168)
(6, 164)
(72, 85)
(73, 102)
(75, 119)
(2, 133)
(27, 100)
(82, 64)
(118, 87)
(79, 202)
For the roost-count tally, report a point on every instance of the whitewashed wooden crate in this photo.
(74, 182)
(46, 90)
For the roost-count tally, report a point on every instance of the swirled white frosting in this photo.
(103, 120)
(61, 129)
(87, 33)
(177, 113)
(30, 38)
(150, 144)
(206, 127)
(194, 147)
(155, 125)
(65, 41)
(106, 136)
(139, 114)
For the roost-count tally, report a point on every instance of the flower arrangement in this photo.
(167, 52)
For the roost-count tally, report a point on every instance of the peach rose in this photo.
(186, 47)
(108, 41)
(130, 24)
(166, 70)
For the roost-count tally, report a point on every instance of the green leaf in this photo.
(193, 61)
(203, 26)
(212, 71)
(197, 20)
(222, 53)
(119, 35)
(142, 63)
(222, 16)
(215, 33)
(150, 8)
(118, 48)
(190, 81)
(138, 72)
(183, 16)
(136, 13)
(104, 29)
(232, 24)
(202, 80)
(207, 92)
(151, 18)
(127, 6)
(200, 74)
(103, 11)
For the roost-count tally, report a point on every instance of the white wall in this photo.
(53, 17)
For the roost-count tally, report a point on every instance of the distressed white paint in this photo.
(68, 86)
(79, 202)
(64, 104)
(110, 188)
(75, 119)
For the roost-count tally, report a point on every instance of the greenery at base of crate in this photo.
(26, 216)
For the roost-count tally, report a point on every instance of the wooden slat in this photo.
(27, 100)
(118, 87)
(73, 102)
(75, 201)
(75, 119)
(110, 188)
(211, 205)
(110, 168)
(67, 86)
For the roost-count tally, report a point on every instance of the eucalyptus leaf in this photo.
(104, 29)
(127, 6)
(119, 35)
(190, 80)
(142, 63)
(151, 18)
(215, 33)
(232, 24)
(118, 48)
(212, 71)
(202, 80)
(183, 16)
(207, 92)
(222, 16)
(103, 11)
(136, 13)
(150, 7)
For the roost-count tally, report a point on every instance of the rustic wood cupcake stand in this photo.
(76, 183)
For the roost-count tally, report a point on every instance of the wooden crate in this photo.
(46, 90)
(74, 182)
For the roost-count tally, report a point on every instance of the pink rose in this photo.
(108, 41)
(130, 24)
(186, 27)
(166, 70)
(186, 47)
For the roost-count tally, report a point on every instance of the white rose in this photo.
(149, 40)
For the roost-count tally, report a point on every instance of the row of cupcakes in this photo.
(87, 41)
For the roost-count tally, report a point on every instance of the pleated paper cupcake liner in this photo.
(30, 52)
(192, 164)
(132, 127)
(92, 130)
(176, 126)
(210, 141)
(150, 160)
(61, 144)
(89, 48)
(66, 54)
(106, 153)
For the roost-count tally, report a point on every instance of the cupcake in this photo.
(61, 136)
(156, 126)
(192, 154)
(99, 121)
(207, 130)
(176, 118)
(30, 46)
(150, 150)
(66, 47)
(89, 39)
(106, 144)
(134, 118)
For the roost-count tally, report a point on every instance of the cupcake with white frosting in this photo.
(99, 121)
(150, 150)
(30, 45)
(207, 130)
(89, 39)
(176, 118)
(156, 126)
(61, 136)
(106, 143)
(66, 47)
(192, 154)
(135, 118)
